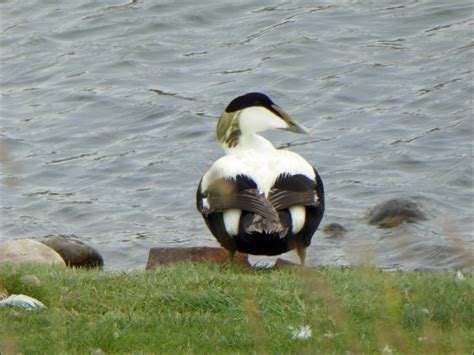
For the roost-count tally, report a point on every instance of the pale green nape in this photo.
(228, 130)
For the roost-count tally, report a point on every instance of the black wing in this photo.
(263, 215)
(240, 193)
(293, 190)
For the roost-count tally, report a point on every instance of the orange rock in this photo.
(163, 256)
(279, 263)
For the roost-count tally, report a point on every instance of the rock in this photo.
(163, 256)
(334, 229)
(279, 263)
(29, 251)
(30, 280)
(394, 212)
(74, 252)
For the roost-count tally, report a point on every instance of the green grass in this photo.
(208, 308)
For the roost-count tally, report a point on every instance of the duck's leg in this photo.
(301, 253)
(231, 256)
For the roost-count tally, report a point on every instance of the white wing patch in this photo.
(298, 218)
(232, 220)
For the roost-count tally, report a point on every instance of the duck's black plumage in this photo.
(257, 199)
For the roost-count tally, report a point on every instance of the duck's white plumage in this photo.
(261, 161)
(232, 220)
(298, 217)
(257, 158)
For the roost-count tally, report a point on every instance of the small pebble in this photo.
(30, 280)
(459, 276)
(425, 311)
(302, 333)
(387, 351)
(330, 335)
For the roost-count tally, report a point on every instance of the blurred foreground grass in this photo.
(208, 308)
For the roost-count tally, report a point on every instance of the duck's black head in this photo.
(251, 99)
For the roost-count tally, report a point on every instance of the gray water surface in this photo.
(108, 113)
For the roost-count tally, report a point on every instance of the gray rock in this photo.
(394, 212)
(74, 252)
(22, 301)
(29, 251)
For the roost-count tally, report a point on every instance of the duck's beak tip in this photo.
(297, 128)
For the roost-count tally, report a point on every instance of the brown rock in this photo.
(279, 263)
(29, 251)
(163, 256)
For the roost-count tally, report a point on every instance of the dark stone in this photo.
(74, 252)
(164, 256)
(334, 229)
(394, 212)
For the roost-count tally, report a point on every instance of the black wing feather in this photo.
(247, 200)
(281, 199)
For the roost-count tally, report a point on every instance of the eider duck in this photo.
(258, 199)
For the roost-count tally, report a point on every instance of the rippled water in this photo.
(108, 113)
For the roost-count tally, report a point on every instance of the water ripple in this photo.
(109, 111)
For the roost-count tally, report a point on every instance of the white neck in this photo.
(249, 142)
